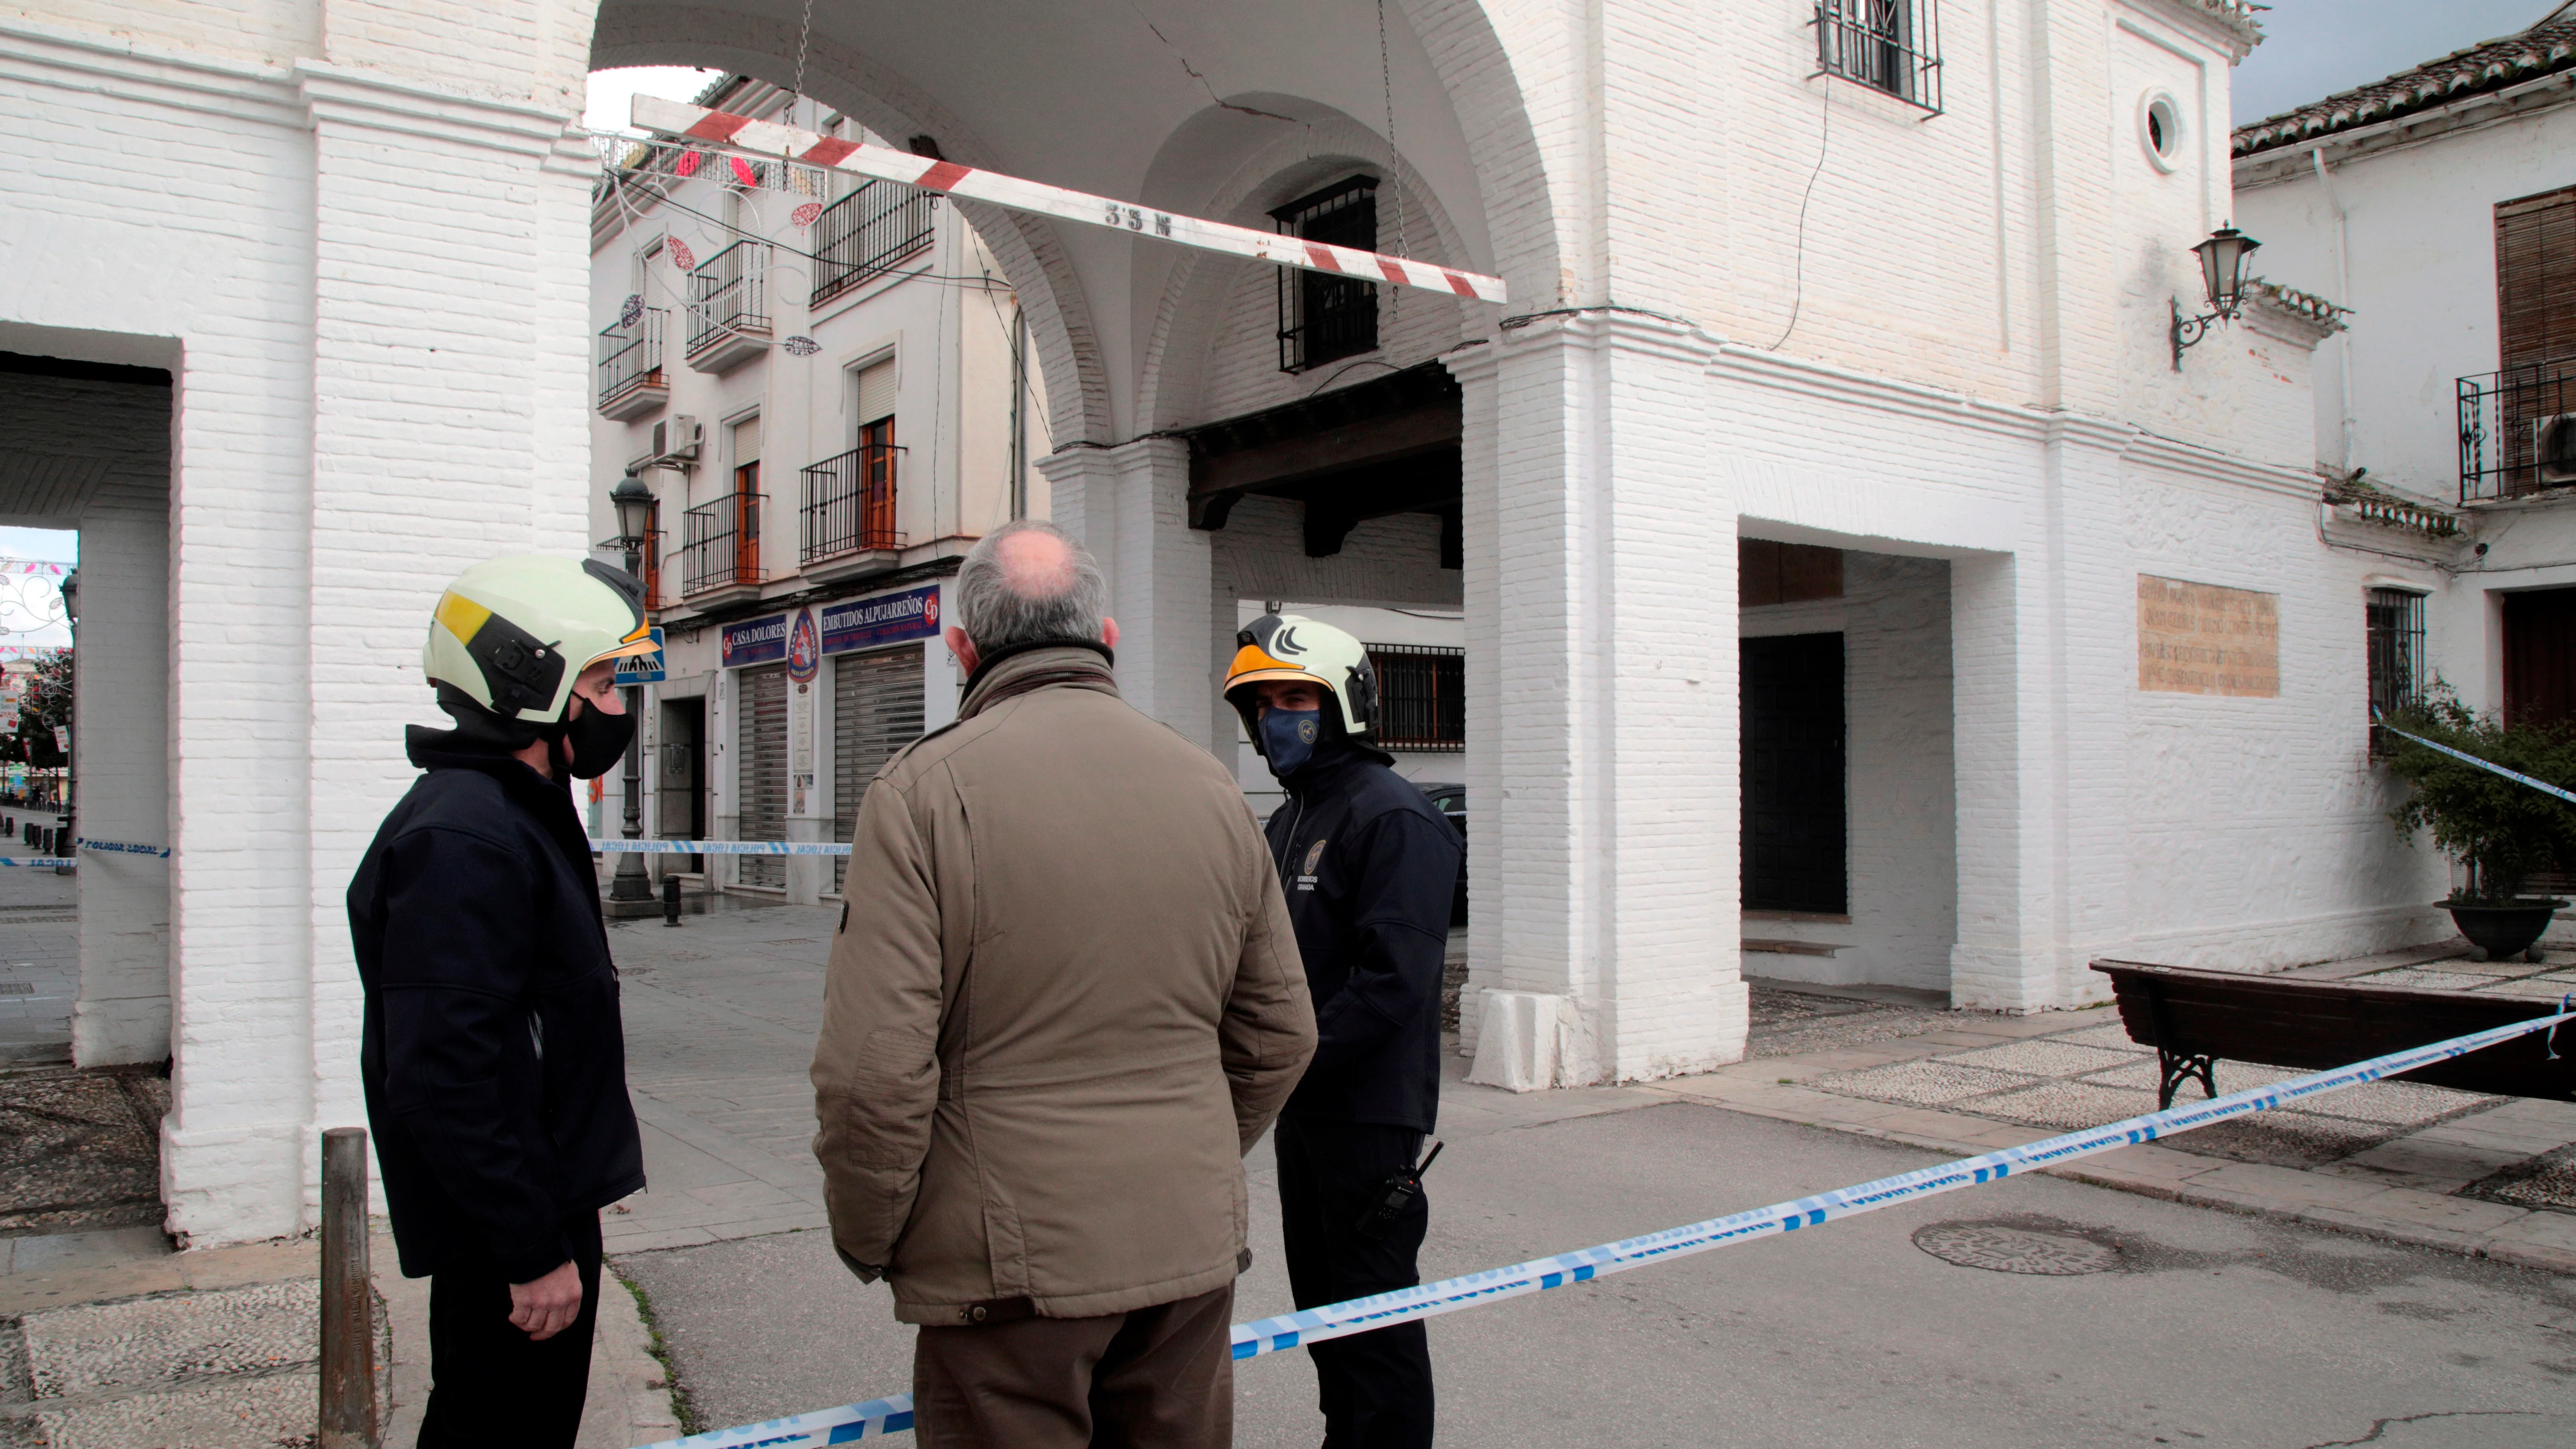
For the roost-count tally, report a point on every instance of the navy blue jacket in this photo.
(1369, 869)
(493, 1055)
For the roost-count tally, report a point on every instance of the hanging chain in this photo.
(1394, 161)
(804, 39)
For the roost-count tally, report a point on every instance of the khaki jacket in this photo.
(1064, 1001)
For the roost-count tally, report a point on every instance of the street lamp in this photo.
(70, 588)
(634, 504)
(2222, 276)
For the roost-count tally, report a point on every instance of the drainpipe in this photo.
(1019, 425)
(2343, 288)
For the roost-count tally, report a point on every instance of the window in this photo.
(2160, 127)
(1887, 45)
(1323, 317)
(1421, 697)
(2394, 627)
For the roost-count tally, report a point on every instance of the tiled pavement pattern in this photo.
(39, 964)
(80, 1150)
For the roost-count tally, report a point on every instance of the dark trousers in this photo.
(489, 1382)
(1374, 1387)
(1157, 1378)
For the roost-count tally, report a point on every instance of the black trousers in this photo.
(1374, 1387)
(489, 1382)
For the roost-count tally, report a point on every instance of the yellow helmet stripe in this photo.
(462, 616)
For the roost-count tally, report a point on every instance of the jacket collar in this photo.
(1018, 671)
(550, 801)
(1322, 771)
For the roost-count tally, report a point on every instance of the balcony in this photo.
(720, 551)
(729, 308)
(2518, 431)
(849, 514)
(864, 234)
(631, 380)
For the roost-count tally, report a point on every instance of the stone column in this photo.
(2040, 709)
(1601, 599)
(1129, 505)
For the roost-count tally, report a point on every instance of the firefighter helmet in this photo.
(514, 633)
(1292, 646)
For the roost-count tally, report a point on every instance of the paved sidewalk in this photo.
(39, 963)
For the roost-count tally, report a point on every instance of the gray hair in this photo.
(1002, 602)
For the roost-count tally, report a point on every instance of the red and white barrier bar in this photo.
(771, 141)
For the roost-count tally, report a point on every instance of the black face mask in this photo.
(598, 740)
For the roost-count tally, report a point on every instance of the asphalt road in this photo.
(2211, 1330)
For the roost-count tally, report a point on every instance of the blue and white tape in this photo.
(126, 847)
(38, 862)
(2542, 786)
(719, 847)
(879, 1417)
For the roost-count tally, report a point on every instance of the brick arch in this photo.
(1030, 251)
(1191, 307)
(1478, 66)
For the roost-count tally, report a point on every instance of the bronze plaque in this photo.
(2203, 639)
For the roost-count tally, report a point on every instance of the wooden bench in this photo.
(2194, 1018)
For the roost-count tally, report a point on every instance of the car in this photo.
(1450, 799)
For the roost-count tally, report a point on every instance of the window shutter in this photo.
(2536, 278)
(876, 392)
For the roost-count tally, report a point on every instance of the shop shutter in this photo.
(763, 778)
(876, 392)
(876, 710)
(2536, 278)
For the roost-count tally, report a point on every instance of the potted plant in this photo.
(2497, 830)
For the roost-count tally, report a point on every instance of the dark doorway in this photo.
(2540, 657)
(1794, 830)
(680, 782)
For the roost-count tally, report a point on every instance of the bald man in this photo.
(1064, 1000)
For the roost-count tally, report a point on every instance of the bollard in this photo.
(348, 1319)
(670, 900)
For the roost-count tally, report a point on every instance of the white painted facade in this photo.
(2401, 215)
(931, 334)
(1747, 302)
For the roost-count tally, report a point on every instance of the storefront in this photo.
(805, 706)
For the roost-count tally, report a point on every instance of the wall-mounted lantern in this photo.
(70, 587)
(2222, 275)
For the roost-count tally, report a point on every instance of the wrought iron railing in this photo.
(631, 356)
(720, 544)
(2518, 430)
(729, 292)
(1888, 45)
(1422, 696)
(865, 233)
(849, 503)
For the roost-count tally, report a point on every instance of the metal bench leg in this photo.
(2178, 1068)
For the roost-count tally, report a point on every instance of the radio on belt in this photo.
(1395, 1195)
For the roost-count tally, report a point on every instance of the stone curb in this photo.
(2521, 1237)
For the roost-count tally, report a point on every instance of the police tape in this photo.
(126, 847)
(892, 1415)
(2488, 765)
(718, 847)
(39, 862)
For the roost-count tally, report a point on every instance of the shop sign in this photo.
(756, 641)
(885, 619)
(803, 653)
(630, 672)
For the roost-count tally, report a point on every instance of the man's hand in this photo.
(547, 1306)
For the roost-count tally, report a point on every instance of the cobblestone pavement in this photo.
(80, 1149)
(39, 964)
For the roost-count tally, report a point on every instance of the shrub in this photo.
(2499, 830)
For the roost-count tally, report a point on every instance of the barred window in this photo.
(2393, 624)
(1887, 45)
(1324, 317)
(1421, 696)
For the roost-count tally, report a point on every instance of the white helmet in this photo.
(1292, 646)
(514, 634)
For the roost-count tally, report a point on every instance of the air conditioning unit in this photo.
(2553, 449)
(677, 438)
